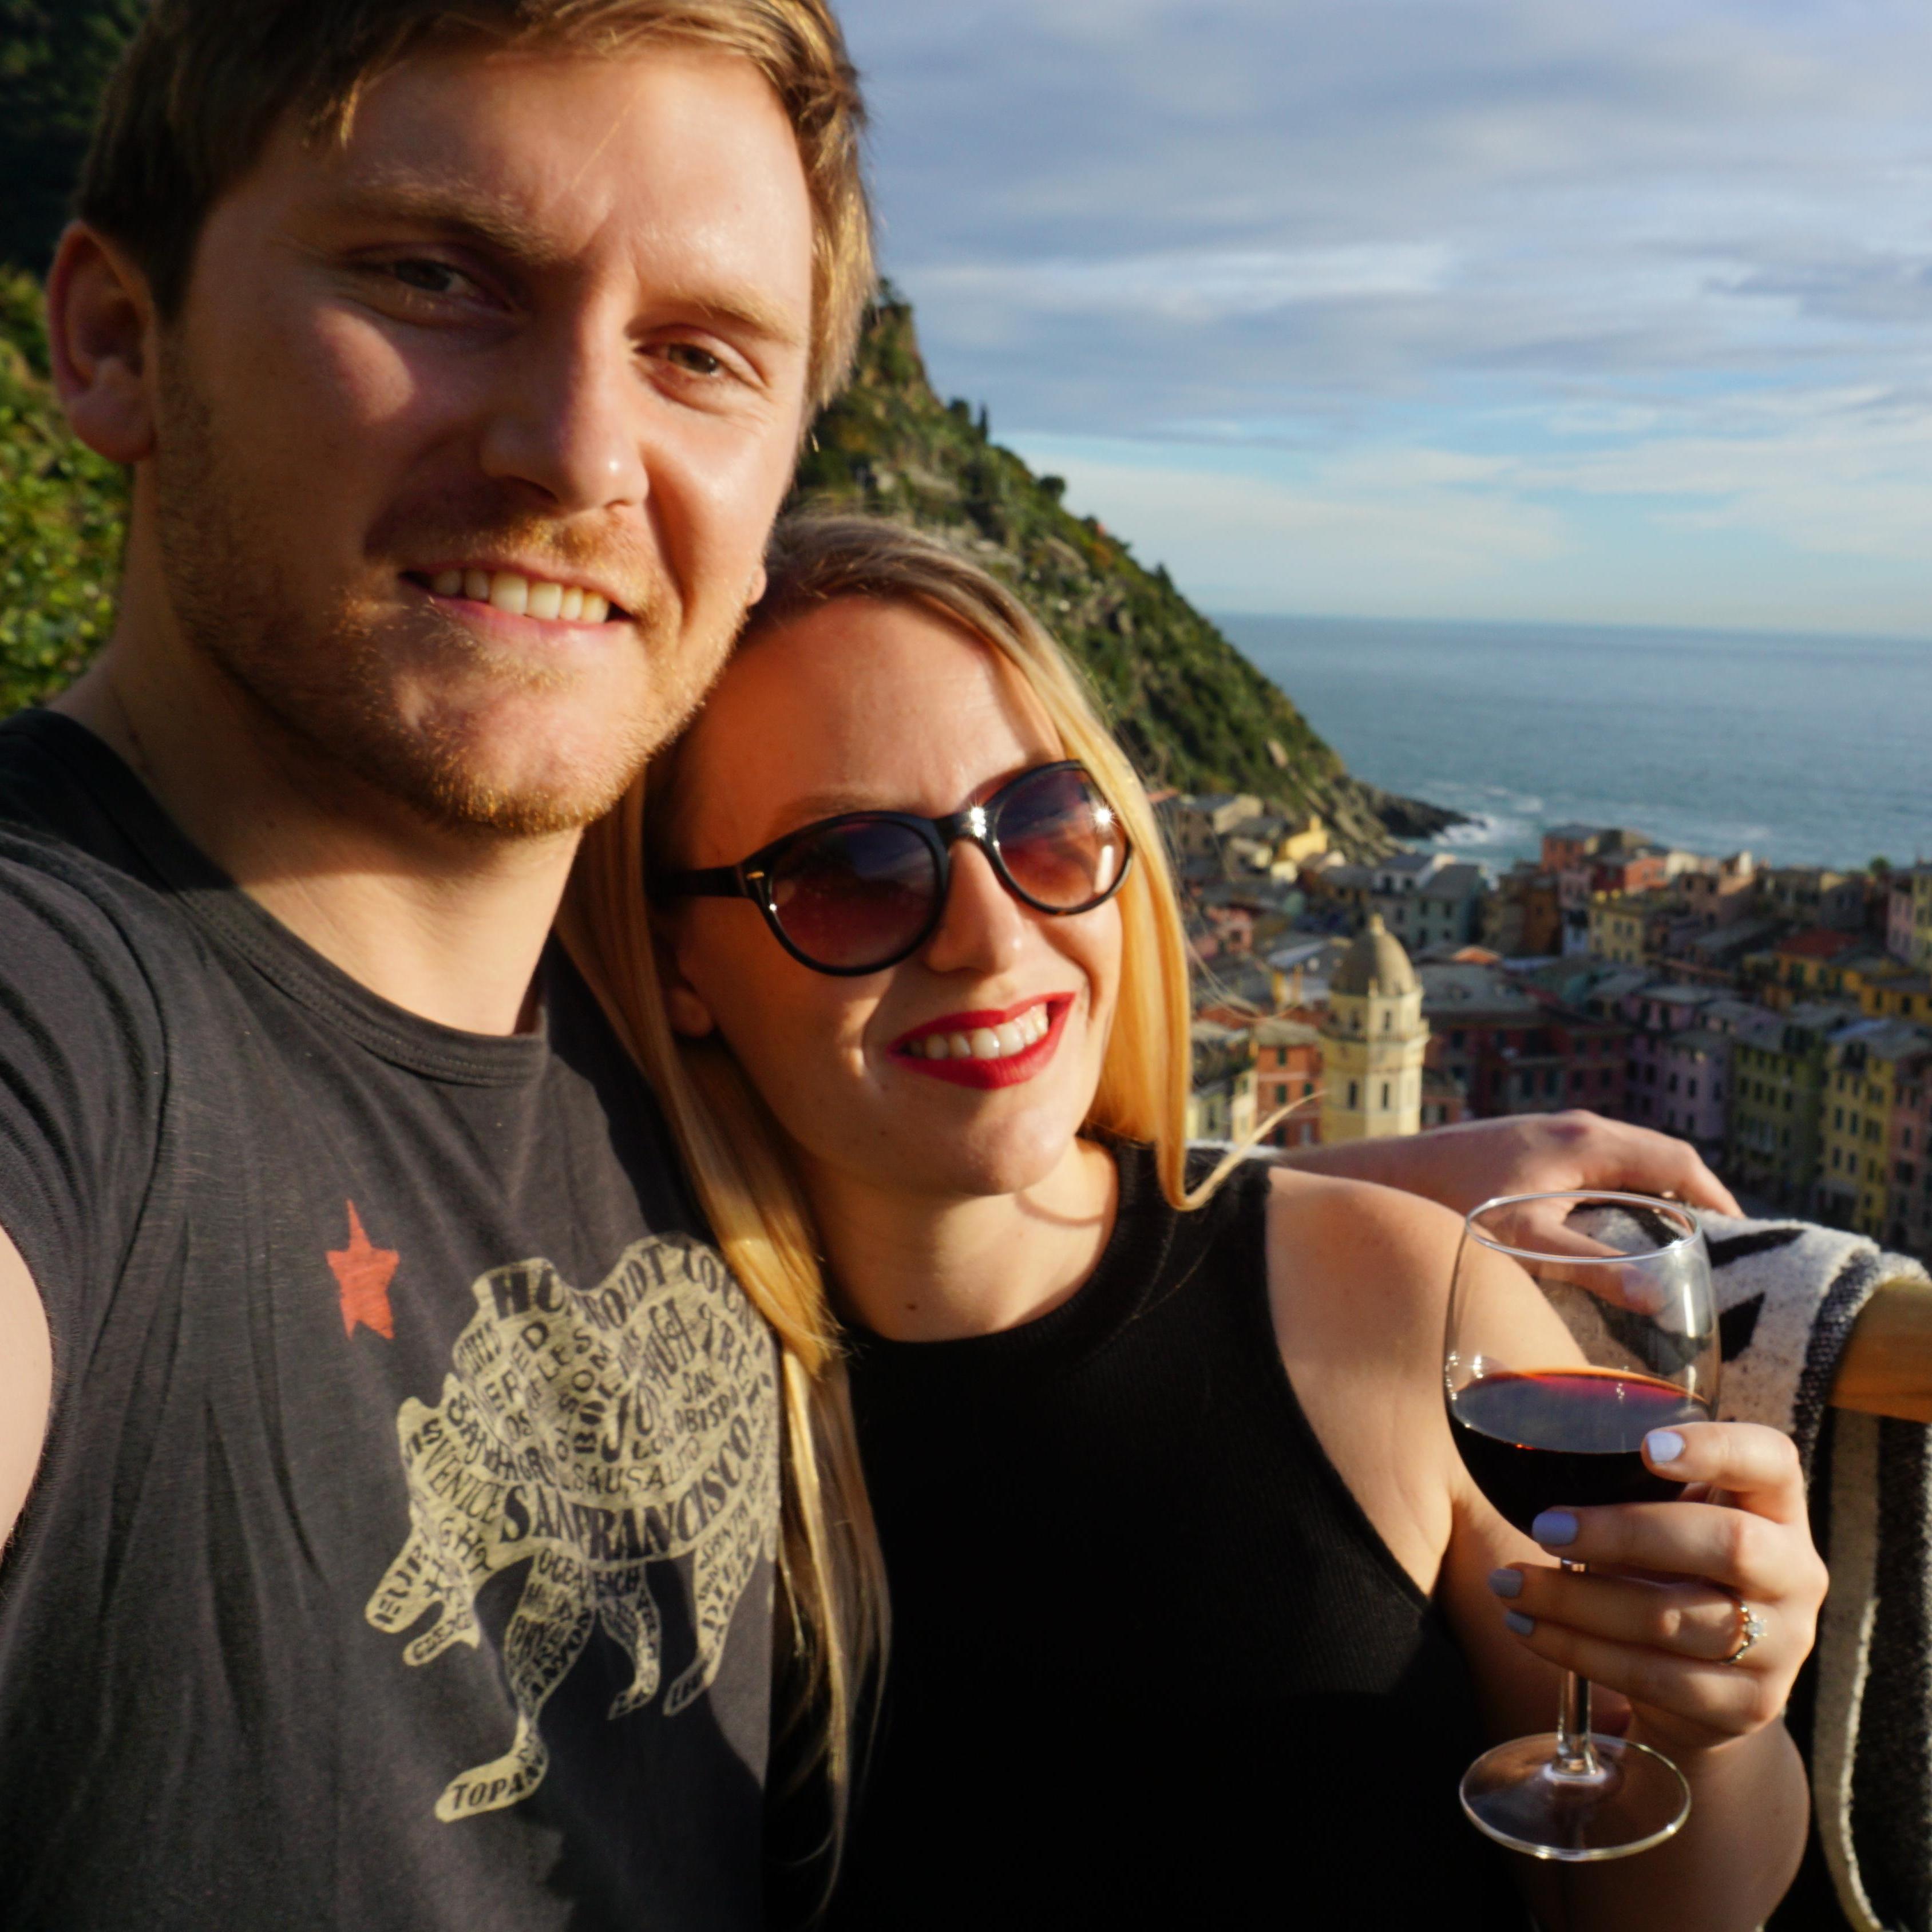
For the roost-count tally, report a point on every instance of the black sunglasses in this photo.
(861, 892)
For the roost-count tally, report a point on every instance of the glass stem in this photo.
(1576, 1757)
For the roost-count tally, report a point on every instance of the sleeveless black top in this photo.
(1151, 1664)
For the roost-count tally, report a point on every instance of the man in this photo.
(403, 1471)
(401, 1551)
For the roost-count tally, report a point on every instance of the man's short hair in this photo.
(204, 84)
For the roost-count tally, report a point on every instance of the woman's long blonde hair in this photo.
(829, 1565)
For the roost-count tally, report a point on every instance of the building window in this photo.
(1354, 1090)
(1385, 1097)
(1692, 1089)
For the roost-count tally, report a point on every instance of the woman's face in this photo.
(862, 706)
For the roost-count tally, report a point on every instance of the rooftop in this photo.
(1374, 963)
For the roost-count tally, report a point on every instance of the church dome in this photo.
(1375, 963)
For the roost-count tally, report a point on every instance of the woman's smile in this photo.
(987, 1047)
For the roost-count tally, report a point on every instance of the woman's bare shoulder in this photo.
(1359, 1257)
(1358, 1287)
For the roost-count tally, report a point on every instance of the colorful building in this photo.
(1373, 1042)
(1222, 1105)
(1862, 1083)
(1908, 925)
(1288, 1073)
(1777, 1091)
(1908, 1202)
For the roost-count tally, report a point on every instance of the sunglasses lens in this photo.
(1060, 841)
(855, 894)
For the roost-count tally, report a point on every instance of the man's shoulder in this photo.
(75, 925)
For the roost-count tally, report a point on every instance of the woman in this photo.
(1197, 1617)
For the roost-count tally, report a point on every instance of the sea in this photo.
(1802, 750)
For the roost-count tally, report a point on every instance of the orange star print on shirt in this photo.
(362, 1272)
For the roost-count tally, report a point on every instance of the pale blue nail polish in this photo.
(1663, 1445)
(1555, 1528)
(1506, 1582)
(1515, 1620)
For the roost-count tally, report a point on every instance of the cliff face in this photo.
(1192, 711)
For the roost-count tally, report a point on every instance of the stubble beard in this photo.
(325, 681)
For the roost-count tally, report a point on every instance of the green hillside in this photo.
(1192, 711)
(60, 518)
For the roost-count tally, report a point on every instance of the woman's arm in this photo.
(1527, 1153)
(1360, 1278)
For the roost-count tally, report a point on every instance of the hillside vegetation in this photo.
(61, 511)
(1193, 712)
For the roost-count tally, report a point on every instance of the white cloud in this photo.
(1515, 271)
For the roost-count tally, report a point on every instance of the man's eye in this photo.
(428, 278)
(693, 360)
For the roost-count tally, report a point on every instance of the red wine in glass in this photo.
(1549, 1439)
(1578, 1323)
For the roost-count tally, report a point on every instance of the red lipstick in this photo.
(1009, 1069)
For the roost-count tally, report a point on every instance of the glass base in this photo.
(1636, 1798)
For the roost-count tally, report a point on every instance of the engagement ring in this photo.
(1750, 1627)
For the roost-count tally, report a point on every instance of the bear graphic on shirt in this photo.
(589, 1433)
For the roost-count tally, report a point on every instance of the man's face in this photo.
(534, 336)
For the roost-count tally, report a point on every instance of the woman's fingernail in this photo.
(1506, 1582)
(1555, 1528)
(1663, 1445)
(1515, 1620)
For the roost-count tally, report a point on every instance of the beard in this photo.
(466, 737)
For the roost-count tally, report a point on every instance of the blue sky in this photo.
(1534, 309)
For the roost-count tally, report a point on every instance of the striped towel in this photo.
(1788, 1294)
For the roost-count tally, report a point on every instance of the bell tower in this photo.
(1373, 1042)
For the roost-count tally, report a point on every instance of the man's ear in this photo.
(100, 335)
(757, 588)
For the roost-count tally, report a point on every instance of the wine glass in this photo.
(1578, 1323)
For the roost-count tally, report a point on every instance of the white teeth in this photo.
(999, 1042)
(510, 590)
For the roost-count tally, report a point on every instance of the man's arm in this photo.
(26, 1383)
(1527, 1153)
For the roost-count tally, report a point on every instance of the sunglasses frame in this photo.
(751, 878)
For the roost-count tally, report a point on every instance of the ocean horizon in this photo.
(1800, 748)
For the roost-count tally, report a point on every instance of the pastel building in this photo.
(1867, 1064)
(1373, 1042)
(1908, 925)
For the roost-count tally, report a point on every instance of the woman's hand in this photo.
(1664, 1615)
(1527, 1153)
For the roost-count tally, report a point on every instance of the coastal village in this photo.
(1777, 1018)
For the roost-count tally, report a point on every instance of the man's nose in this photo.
(569, 421)
(983, 929)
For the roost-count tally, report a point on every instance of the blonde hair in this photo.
(736, 1154)
(204, 83)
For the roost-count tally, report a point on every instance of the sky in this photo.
(1488, 309)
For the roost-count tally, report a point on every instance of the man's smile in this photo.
(519, 594)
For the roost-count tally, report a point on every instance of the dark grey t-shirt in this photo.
(401, 1556)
